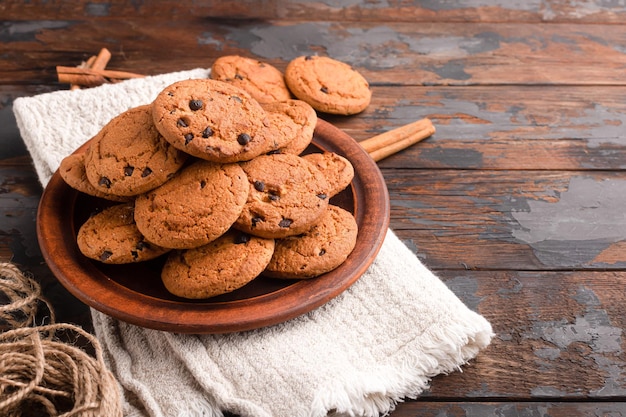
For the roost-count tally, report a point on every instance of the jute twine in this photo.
(40, 374)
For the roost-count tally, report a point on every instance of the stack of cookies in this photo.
(212, 176)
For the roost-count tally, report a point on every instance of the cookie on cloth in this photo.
(322, 249)
(128, 156)
(338, 170)
(72, 171)
(195, 207)
(221, 266)
(212, 120)
(328, 85)
(111, 236)
(287, 195)
(263, 81)
(293, 123)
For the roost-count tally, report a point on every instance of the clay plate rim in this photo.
(88, 280)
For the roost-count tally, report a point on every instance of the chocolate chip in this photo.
(242, 238)
(195, 104)
(202, 184)
(322, 252)
(259, 186)
(169, 93)
(324, 90)
(188, 138)
(273, 197)
(308, 58)
(141, 245)
(104, 182)
(182, 123)
(146, 172)
(128, 170)
(134, 254)
(105, 255)
(208, 132)
(322, 196)
(238, 77)
(243, 139)
(256, 220)
(285, 223)
(237, 99)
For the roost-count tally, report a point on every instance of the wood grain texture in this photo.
(516, 202)
(500, 219)
(344, 10)
(430, 54)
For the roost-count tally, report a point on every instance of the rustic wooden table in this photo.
(517, 202)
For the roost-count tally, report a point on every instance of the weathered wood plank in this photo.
(508, 408)
(386, 53)
(531, 220)
(372, 10)
(502, 127)
(544, 128)
(558, 335)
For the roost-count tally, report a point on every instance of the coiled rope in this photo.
(40, 372)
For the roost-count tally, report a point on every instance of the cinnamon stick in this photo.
(395, 140)
(102, 59)
(88, 73)
(95, 62)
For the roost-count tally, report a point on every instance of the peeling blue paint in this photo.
(206, 38)
(451, 70)
(27, 31)
(347, 3)
(548, 353)
(383, 45)
(442, 5)
(593, 328)
(465, 287)
(378, 47)
(97, 9)
(450, 157)
(586, 219)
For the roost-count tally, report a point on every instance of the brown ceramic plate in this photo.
(134, 293)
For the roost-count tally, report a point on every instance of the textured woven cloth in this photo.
(377, 343)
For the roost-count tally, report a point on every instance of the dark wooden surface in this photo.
(517, 202)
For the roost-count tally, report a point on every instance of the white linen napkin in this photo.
(377, 343)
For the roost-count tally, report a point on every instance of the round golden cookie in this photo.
(222, 266)
(212, 120)
(128, 156)
(293, 123)
(328, 85)
(287, 195)
(111, 236)
(72, 171)
(195, 207)
(263, 81)
(338, 170)
(320, 250)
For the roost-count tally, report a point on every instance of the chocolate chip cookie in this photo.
(212, 120)
(263, 81)
(224, 265)
(128, 156)
(72, 170)
(111, 236)
(195, 207)
(328, 85)
(293, 123)
(322, 249)
(287, 195)
(338, 170)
